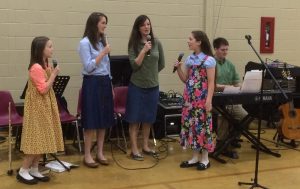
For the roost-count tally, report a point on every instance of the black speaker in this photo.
(168, 121)
(120, 70)
(173, 124)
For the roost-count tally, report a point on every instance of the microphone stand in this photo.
(257, 146)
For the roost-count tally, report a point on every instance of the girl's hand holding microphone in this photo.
(178, 62)
(147, 47)
(55, 70)
(106, 49)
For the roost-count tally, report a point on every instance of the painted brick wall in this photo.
(64, 20)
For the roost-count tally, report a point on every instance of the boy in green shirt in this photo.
(226, 76)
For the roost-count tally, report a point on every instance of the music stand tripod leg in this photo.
(255, 180)
(254, 185)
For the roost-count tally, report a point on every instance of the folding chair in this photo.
(78, 116)
(66, 117)
(119, 110)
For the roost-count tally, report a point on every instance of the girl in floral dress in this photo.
(198, 74)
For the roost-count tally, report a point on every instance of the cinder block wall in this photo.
(173, 20)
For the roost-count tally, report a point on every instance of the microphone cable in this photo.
(162, 148)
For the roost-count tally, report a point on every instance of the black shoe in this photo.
(235, 144)
(42, 179)
(202, 166)
(186, 164)
(231, 154)
(219, 144)
(25, 181)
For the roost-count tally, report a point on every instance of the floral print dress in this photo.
(196, 131)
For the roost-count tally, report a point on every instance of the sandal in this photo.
(150, 153)
(137, 157)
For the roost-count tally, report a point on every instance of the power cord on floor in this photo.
(276, 143)
(283, 145)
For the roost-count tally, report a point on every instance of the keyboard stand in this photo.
(236, 129)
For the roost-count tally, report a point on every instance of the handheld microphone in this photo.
(105, 38)
(148, 39)
(179, 59)
(54, 62)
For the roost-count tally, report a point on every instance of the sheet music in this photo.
(251, 84)
(231, 90)
(252, 81)
(57, 167)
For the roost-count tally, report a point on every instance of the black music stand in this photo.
(59, 86)
(24, 91)
(265, 67)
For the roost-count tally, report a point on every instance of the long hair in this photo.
(37, 51)
(205, 44)
(135, 36)
(205, 47)
(91, 29)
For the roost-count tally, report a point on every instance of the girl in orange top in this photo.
(41, 132)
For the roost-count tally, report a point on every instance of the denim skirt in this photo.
(141, 105)
(97, 102)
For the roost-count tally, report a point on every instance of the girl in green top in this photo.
(147, 59)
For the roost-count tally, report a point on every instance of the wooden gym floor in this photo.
(275, 173)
